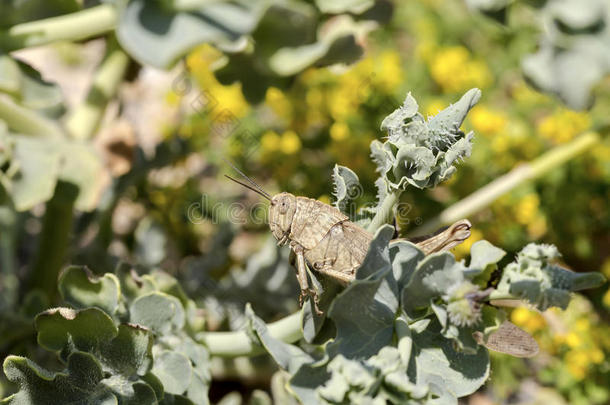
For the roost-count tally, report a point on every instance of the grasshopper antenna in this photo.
(252, 182)
(257, 191)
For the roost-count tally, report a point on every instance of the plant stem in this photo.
(54, 238)
(26, 121)
(484, 196)
(386, 211)
(8, 220)
(76, 26)
(84, 120)
(235, 344)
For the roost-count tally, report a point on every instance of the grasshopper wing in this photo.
(341, 251)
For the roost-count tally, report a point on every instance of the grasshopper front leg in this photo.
(302, 279)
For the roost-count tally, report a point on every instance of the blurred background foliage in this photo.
(167, 205)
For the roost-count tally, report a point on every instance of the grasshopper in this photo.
(323, 238)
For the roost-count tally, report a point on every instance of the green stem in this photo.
(54, 239)
(26, 121)
(83, 24)
(84, 120)
(484, 196)
(235, 344)
(8, 220)
(386, 211)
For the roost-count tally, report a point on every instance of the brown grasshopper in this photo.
(324, 238)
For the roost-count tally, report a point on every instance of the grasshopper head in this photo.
(281, 211)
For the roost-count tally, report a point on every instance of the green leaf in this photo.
(38, 166)
(484, 254)
(344, 6)
(336, 44)
(347, 187)
(404, 256)
(433, 276)
(533, 278)
(40, 162)
(81, 288)
(419, 152)
(374, 299)
(173, 370)
(287, 356)
(82, 166)
(150, 242)
(18, 11)
(158, 37)
(123, 350)
(60, 329)
(79, 383)
(450, 374)
(157, 311)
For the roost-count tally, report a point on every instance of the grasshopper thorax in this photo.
(281, 213)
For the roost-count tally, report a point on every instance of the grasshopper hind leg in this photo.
(306, 292)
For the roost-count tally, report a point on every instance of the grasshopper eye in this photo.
(283, 207)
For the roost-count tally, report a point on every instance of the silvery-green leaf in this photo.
(395, 122)
(336, 43)
(150, 241)
(483, 256)
(82, 166)
(157, 37)
(123, 350)
(38, 165)
(157, 311)
(434, 360)
(173, 370)
(79, 383)
(260, 397)
(404, 256)
(376, 303)
(287, 356)
(61, 328)
(448, 121)
(344, 6)
(533, 278)
(81, 288)
(433, 276)
(377, 259)
(17, 11)
(10, 75)
(346, 187)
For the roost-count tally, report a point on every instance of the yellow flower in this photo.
(290, 143)
(324, 198)
(270, 142)
(339, 131)
(582, 325)
(537, 227)
(596, 356)
(606, 299)
(573, 340)
(487, 121)
(500, 143)
(463, 249)
(279, 103)
(228, 100)
(527, 209)
(564, 125)
(391, 73)
(530, 320)
(524, 94)
(434, 107)
(576, 363)
(454, 70)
